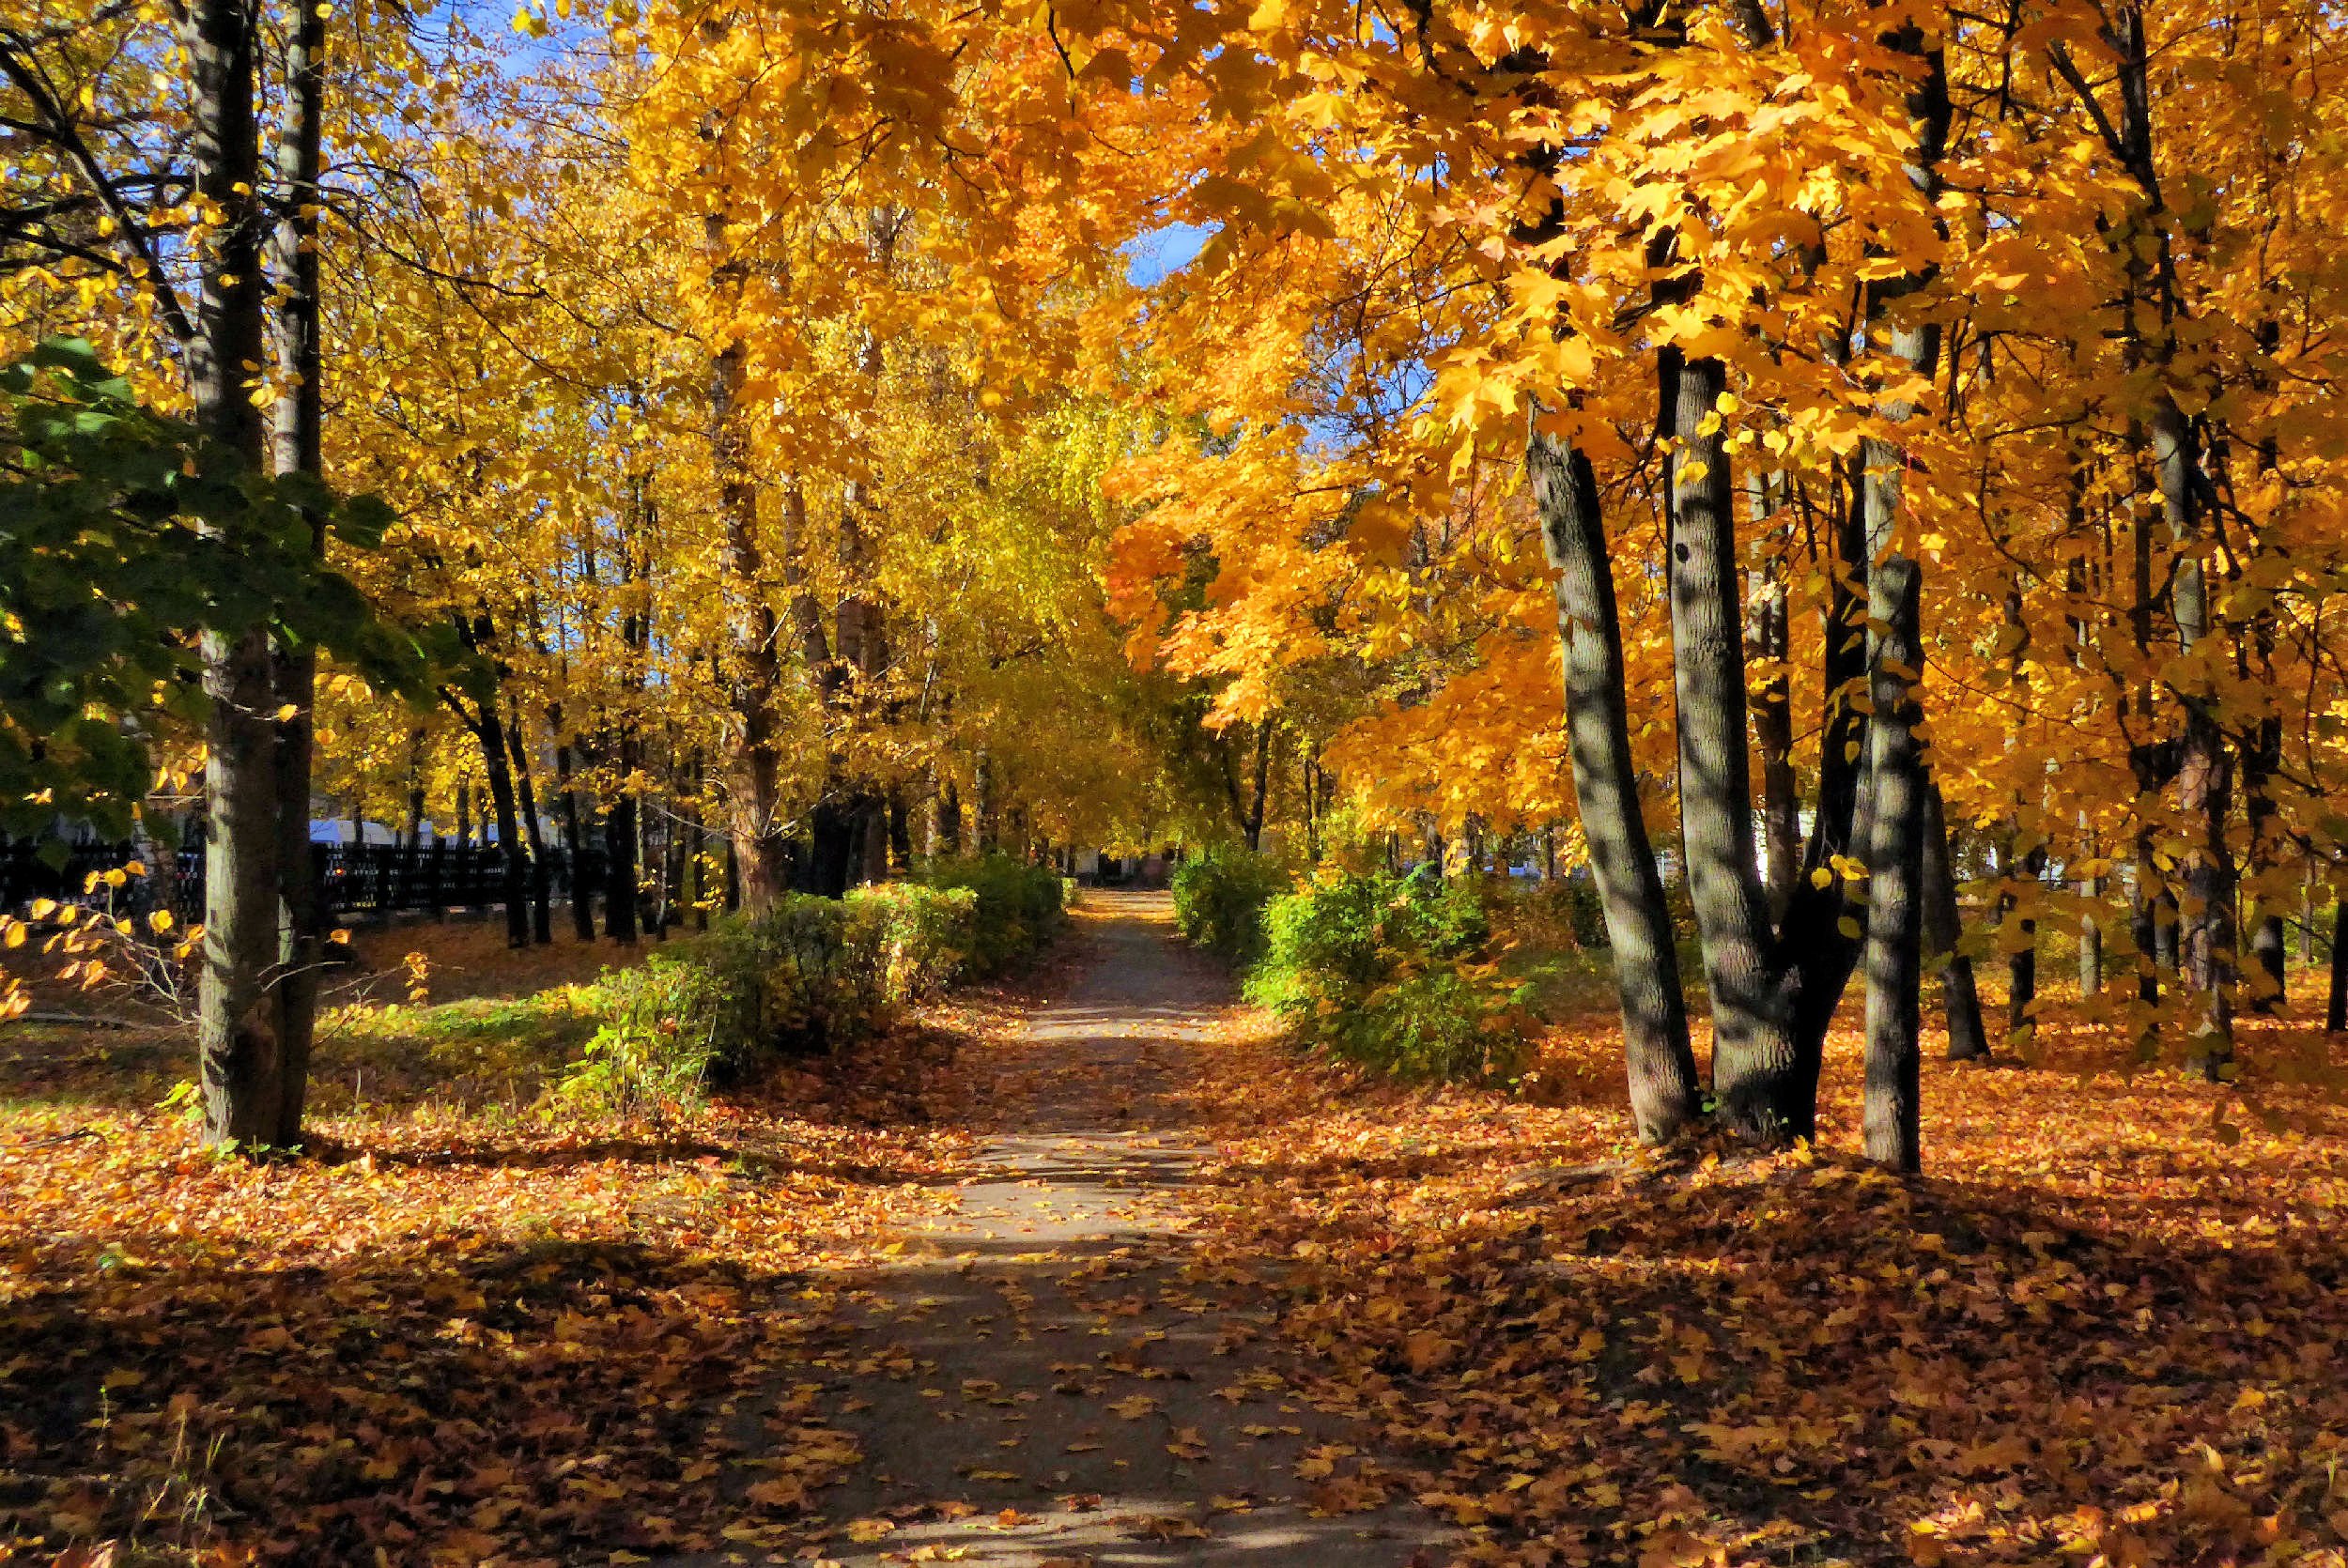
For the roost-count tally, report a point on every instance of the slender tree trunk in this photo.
(299, 449)
(2336, 998)
(1767, 639)
(240, 1049)
(1262, 781)
(1943, 930)
(515, 868)
(1666, 1093)
(574, 838)
(1895, 852)
(1900, 817)
(2021, 964)
(533, 832)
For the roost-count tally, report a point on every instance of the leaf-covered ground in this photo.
(2094, 1333)
(478, 1329)
(482, 1331)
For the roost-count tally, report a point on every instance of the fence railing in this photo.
(354, 880)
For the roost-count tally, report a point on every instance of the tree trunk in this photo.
(1895, 850)
(1943, 930)
(1262, 781)
(574, 838)
(831, 859)
(238, 1047)
(514, 878)
(533, 832)
(1665, 1092)
(298, 449)
(759, 828)
(900, 830)
(2021, 964)
(1757, 1070)
(950, 821)
(619, 867)
(2336, 1000)
(2269, 946)
(1767, 639)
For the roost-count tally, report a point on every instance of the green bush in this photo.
(1017, 907)
(1220, 898)
(1393, 972)
(810, 975)
(659, 1041)
(924, 934)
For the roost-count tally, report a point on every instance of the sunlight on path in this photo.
(1045, 1378)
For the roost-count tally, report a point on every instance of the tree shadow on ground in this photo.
(1797, 1359)
(543, 1402)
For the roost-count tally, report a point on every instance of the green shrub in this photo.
(1016, 907)
(1393, 972)
(924, 934)
(810, 975)
(1220, 898)
(660, 1036)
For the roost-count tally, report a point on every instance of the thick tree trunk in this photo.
(2205, 774)
(298, 449)
(619, 868)
(982, 787)
(950, 821)
(1665, 1092)
(832, 834)
(241, 1063)
(759, 830)
(1760, 1081)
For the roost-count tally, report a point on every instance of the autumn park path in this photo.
(1048, 1376)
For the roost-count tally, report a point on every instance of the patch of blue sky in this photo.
(1153, 256)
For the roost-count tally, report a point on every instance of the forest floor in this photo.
(1095, 1270)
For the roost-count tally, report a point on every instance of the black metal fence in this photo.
(355, 882)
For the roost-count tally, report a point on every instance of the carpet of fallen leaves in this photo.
(466, 1335)
(2094, 1334)
(2106, 1329)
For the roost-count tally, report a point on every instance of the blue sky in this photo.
(1151, 257)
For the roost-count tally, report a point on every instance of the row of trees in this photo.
(1916, 427)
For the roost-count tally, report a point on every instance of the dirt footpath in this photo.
(1049, 1377)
